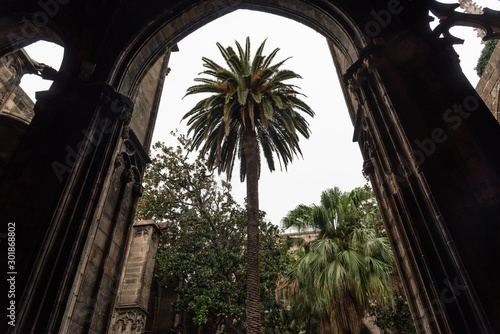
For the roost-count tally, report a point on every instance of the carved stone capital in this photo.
(128, 321)
(120, 107)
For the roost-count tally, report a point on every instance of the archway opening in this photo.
(45, 53)
(137, 72)
(326, 124)
(20, 78)
(330, 159)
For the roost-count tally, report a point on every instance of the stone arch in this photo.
(149, 43)
(358, 59)
(399, 85)
(21, 31)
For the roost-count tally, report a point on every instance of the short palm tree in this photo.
(333, 281)
(250, 110)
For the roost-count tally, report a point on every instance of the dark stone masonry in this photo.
(71, 166)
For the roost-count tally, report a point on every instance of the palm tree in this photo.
(250, 110)
(333, 281)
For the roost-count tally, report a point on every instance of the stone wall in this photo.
(16, 108)
(143, 304)
(488, 86)
(18, 105)
(403, 79)
(111, 293)
(13, 100)
(131, 304)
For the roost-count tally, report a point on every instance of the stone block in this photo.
(88, 282)
(96, 256)
(136, 259)
(488, 88)
(132, 281)
(133, 265)
(111, 267)
(75, 329)
(133, 276)
(128, 299)
(98, 324)
(100, 238)
(109, 286)
(132, 271)
(480, 86)
(115, 252)
(81, 314)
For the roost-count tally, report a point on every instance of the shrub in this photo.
(485, 56)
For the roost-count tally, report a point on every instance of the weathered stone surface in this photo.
(137, 276)
(440, 199)
(488, 86)
(16, 108)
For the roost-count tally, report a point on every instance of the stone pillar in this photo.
(56, 188)
(131, 304)
(73, 183)
(431, 150)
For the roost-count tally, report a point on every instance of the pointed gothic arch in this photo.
(430, 147)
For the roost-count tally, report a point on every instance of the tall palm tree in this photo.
(333, 281)
(250, 109)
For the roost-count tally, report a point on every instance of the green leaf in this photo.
(242, 95)
(268, 108)
(257, 97)
(278, 101)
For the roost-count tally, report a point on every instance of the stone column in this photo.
(430, 146)
(131, 304)
(54, 191)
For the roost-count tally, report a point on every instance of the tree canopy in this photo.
(336, 277)
(202, 251)
(251, 110)
(248, 94)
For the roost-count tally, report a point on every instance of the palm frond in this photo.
(339, 274)
(247, 90)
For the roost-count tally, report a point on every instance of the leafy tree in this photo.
(176, 185)
(202, 252)
(250, 109)
(336, 277)
(485, 56)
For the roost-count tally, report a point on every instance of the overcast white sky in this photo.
(330, 157)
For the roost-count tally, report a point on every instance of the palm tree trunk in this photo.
(253, 270)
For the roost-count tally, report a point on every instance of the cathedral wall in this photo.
(16, 108)
(13, 100)
(488, 86)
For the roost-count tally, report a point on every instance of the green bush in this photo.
(485, 56)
